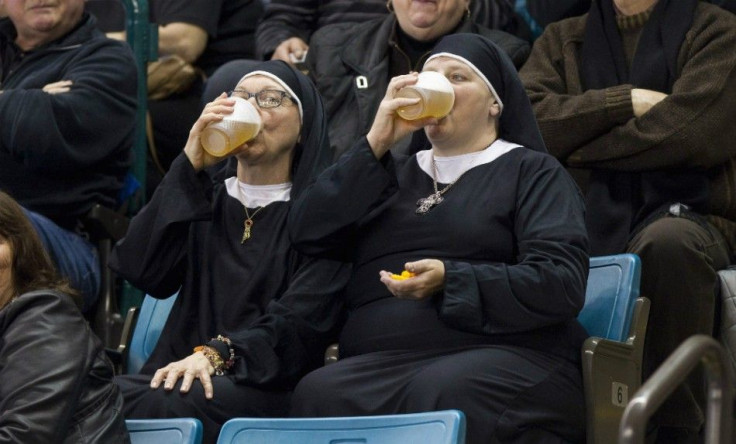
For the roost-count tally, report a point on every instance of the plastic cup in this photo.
(435, 93)
(221, 138)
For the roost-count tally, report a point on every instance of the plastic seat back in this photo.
(152, 317)
(613, 287)
(616, 318)
(440, 427)
(165, 431)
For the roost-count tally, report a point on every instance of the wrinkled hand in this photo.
(214, 111)
(644, 99)
(193, 366)
(429, 279)
(294, 45)
(388, 128)
(58, 87)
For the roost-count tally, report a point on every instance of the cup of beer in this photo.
(435, 93)
(221, 138)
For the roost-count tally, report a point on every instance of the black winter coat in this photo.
(349, 63)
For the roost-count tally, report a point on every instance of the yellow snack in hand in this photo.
(404, 275)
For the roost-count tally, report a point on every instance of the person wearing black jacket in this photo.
(55, 379)
(288, 25)
(352, 64)
(67, 116)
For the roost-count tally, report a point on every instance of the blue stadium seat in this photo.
(610, 296)
(165, 431)
(616, 318)
(152, 317)
(441, 427)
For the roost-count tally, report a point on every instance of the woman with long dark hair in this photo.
(55, 379)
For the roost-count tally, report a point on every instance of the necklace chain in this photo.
(248, 222)
(436, 175)
(427, 203)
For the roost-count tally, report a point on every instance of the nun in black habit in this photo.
(258, 313)
(493, 229)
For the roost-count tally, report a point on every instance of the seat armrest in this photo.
(119, 355)
(611, 376)
(105, 223)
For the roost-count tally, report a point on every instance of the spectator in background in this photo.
(288, 25)
(728, 5)
(640, 96)
(537, 14)
(351, 64)
(67, 110)
(205, 33)
(55, 379)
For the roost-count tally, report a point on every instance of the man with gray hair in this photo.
(67, 109)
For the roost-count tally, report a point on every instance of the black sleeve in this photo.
(547, 283)
(325, 218)
(292, 335)
(282, 20)
(69, 132)
(43, 361)
(202, 13)
(152, 254)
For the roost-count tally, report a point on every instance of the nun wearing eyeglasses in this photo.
(490, 232)
(252, 314)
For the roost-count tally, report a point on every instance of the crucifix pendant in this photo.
(246, 230)
(425, 204)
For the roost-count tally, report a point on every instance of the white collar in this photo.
(451, 168)
(253, 196)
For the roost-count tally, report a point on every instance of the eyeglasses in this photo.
(268, 98)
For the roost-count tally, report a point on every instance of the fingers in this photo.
(419, 266)
(58, 87)
(288, 47)
(221, 105)
(158, 377)
(195, 366)
(186, 382)
(171, 377)
(400, 289)
(214, 112)
(429, 279)
(206, 380)
(298, 49)
(168, 375)
(398, 82)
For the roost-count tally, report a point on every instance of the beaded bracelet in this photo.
(214, 356)
(231, 359)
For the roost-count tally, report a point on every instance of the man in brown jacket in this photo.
(638, 97)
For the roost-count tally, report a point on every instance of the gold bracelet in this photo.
(231, 359)
(214, 357)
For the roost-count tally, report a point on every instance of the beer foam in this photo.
(243, 111)
(434, 81)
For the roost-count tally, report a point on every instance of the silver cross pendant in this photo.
(426, 203)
